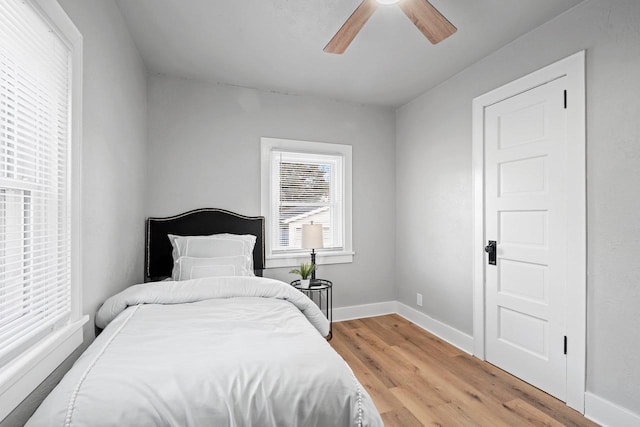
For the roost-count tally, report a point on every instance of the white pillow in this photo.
(216, 245)
(196, 268)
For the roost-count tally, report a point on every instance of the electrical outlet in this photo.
(419, 300)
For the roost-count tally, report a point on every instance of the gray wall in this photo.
(434, 194)
(206, 133)
(204, 151)
(113, 176)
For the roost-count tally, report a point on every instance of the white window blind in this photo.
(306, 188)
(35, 200)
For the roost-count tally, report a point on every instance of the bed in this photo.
(229, 350)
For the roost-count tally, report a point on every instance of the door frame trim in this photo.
(572, 67)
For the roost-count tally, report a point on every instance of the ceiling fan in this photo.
(422, 13)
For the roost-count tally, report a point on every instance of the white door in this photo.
(526, 214)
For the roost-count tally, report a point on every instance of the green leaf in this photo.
(305, 270)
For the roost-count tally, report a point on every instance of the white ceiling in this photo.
(277, 45)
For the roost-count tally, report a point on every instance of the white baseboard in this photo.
(608, 414)
(364, 310)
(451, 335)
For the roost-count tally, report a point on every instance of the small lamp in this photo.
(312, 239)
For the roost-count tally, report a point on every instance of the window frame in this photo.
(25, 373)
(293, 258)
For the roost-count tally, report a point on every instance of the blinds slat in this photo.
(33, 303)
(43, 302)
(17, 297)
(32, 324)
(17, 17)
(8, 331)
(30, 336)
(56, 275)
(33, 273)
(35, 267)
(306, 188)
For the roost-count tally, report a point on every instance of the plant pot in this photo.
(305, 283)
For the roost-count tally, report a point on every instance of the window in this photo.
(39, 265)
(306, 182)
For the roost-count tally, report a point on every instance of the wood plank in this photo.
(416, 335)
(469, 401)
(533, 416)
(372, 352)
(506, 387)
(353, 324)
(362, 353)
(401, 418)
(384, 400)
(424, 411)
(385, 332)
(418, 379)
(466, 401)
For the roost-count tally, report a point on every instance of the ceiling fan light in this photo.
(387, 2)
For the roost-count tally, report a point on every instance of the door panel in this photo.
(525, 176)
(524, 228)
(523, 280)
(525, 212)
(521, 126)
(524, 331)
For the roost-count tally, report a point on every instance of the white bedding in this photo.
(222, 351)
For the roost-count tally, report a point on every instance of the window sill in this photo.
(295, 259)
(20, 377)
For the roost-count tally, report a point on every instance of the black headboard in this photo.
(200, 222)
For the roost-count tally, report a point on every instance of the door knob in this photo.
(491, 249)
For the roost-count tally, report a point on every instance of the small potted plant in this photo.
(304, 271)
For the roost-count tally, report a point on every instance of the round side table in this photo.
(321, 293)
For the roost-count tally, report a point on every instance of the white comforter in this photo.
(233, 351)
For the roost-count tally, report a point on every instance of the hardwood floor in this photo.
(416, 379)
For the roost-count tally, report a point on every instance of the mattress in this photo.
(236, 351)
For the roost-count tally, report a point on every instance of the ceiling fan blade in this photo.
(345, 35)
(428, 20)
